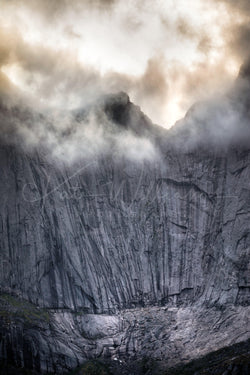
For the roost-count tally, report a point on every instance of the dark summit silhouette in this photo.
(118, 259)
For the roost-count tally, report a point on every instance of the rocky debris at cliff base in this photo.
(129, 260)
(56, 340)
(234, 360)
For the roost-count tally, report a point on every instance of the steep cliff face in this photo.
(131, 258)
(109, 235)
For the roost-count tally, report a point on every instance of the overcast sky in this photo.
(166, 54)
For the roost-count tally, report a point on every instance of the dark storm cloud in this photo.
(239, 41)
(56, 80)
(185, 28)
(204, 44)
(54, 74)
(242, 6)
(151, 88)
(53, 8)
(30, 123)
(237, 34)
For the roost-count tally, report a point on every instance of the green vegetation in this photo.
(12, 308)
(94, 367)
(236, 358)
(11, 370)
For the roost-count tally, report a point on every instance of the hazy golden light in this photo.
(186, 35)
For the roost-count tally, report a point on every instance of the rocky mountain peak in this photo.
(124, 260)
(122, 112)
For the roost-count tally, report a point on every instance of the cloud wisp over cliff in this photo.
(57, 57)
(165, 55)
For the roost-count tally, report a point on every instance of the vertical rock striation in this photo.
(130, 258)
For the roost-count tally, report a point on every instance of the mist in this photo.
(61, 58)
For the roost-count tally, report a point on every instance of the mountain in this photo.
(117, 256)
